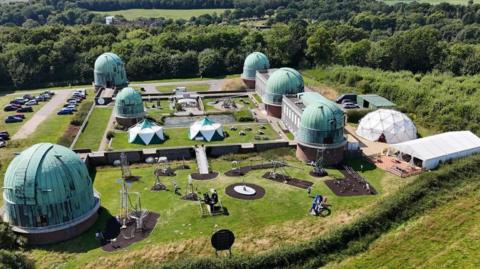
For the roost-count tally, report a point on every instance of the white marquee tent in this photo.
(206, 129)
(145, 132)
(387, 125)
(435, 149)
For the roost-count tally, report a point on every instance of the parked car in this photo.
(25, 109)
(4, 136)
(32, 102)
(41, 98)
(20, 115)
(3, 143)
(350, 105)
(28, 97)
(11, 119)
(72, 107)
(65, 111)
(10, 108)
(18, 102)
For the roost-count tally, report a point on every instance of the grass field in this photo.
(132, 14)
(278, 218)
(93, 134)
(158, 111)
(190, 87)
(179, 137)
(445, 237)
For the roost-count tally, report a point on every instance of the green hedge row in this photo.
(428, 191)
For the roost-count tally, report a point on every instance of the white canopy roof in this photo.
(206, 129)
(440, 148)
(145, 132)
(395, 126)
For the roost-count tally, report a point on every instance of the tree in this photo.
(320, 46)
(281, 45)
(210, 63)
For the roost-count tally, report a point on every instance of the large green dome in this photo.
(110, 71)
(47, 185)
(284, 81)
(322, 122)
(129, 104)
(254, 62)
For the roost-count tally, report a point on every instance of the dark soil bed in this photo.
(288, 180)
(260, 192)
(241, 171)
(313, 174)
(350, 187)
(120, 242)
(199, 176)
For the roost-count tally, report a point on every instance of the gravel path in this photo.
(41, 115)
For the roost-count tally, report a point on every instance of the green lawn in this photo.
(93, 134)
(180, 227)
(132, 14)
(445, 237)
(258, 98)
(179, 137)
(190, 88)
(158, 111)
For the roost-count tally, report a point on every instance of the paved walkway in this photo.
(104, 144)
(42, 114)
(202, 161)
(368, 147)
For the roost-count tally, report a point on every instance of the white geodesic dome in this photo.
(387, 125)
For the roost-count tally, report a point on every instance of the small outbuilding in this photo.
(387, 126)
(373, 101)
(146, 133)
(254, 62)
(206, 130)
(109, 72)
(129, 107)
(429, 152)
(48, 194)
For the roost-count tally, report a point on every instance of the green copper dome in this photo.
(284, 81)
(129, 104)
(109, 71)
(47, 185)
(322, 122)
(254, 62)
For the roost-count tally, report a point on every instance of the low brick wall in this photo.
(95, 159)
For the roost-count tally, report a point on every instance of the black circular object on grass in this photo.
(223, 240)
(259, 191)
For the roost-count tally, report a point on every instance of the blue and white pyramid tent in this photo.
(206, 129)
(145, 132)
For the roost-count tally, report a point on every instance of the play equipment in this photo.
(211, 205)
(320, 206)
(284, 177)
(126, 173)
(131, 212)
(223, 240)
(191, 194)
(244, 189)
(163, 167)
(318, 170)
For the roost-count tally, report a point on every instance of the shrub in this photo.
(243, 115)
(355, 115)
(110, 135)
(13, 260)
(81, 114)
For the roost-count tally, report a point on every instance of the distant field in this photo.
(132, 14)
(433, 2)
